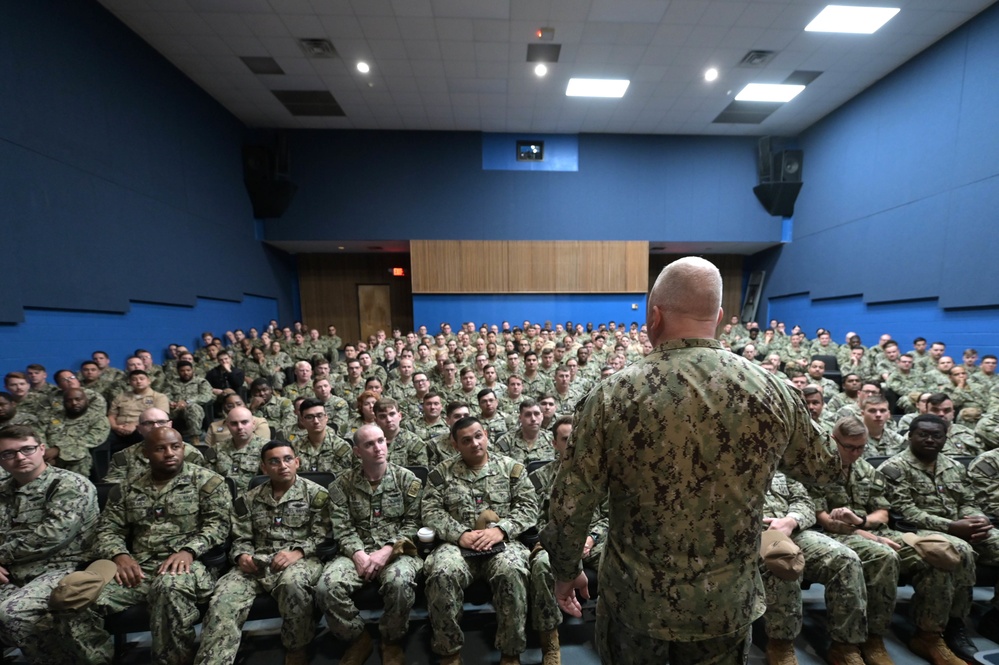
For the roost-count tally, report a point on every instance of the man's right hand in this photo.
(129, 573)
(247, 564)
(4, 575)
(971, 529)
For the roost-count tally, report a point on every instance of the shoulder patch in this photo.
(114, 494)
(536, 481)
(320, 499)
(517, 470)
(890, 471)
(119, 458)
(436, 478)
(210, 454)
(336, 495)
(414, 488)
(51, 489)
(985, 467)
(240, 508)
(211, 485)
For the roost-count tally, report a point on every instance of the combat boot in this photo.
(958, 642)
(932, 647)
(874, 653)
(842, 653)
(510, 660)
(296, 657)
(551, 654)
(781, 652)
(358, 651)
(392, 654)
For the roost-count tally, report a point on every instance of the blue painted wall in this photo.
(902, 185)
(432, 310)
(368, 185)
(60, 339)
(121, 181)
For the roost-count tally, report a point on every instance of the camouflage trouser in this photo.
(173, 613)
(988, 553)
(190, 419)
(618, 645)
(545, 612)
(881, 567)
(397, 585)
(233, 597)
(25, 620)
(448, 573)
(839, 570)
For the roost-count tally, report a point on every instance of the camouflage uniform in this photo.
(512, 444)
(541, 383)
(938, 594)
(495, 426)
(332, 455)
(279, 414)
(262, 526)
(240, 464)
(664, 437)
(196, 393)
(983, 472)
(832, 564)
(368, 518)
(440, 449)
(128, 406)
(191, 511)
(425, 432)
(48, 527)
(452, 501)
(545, 612)
(293, 391)
(565, 404)
(407, 449)
(987, 431)
(130, 463)
(931, 496)
(890, 443)
(76, 437)
(961, 441)
(337, 412)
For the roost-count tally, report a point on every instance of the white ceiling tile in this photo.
(292, 6)
(266, 25)
(229, 5)
(304, 26)
(457, 29)
(495, 51)
(417, 28)
(422, 49)
(341, 27)
(427, 68)
(409, 8)
(459, 68)
(372, 7)
(148, 23)
(379, 27)
(281, 46)
(209, 45)
(399, 84)
(457, 51)
(625, 11)
(491, 31)
(499, 9)
(387, 48)
(685, 12)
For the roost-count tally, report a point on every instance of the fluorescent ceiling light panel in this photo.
(855, 20)
(769, 92)
(597, 87)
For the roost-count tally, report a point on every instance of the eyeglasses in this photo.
(852, 449)
(27, 451)
(314, 416)
(154, 423)
(280, 461)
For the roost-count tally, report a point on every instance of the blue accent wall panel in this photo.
(61, 339)
(121, 180)
(370, 185)
(499, 152)
(902, 185)
(432, 310)
(904, 321)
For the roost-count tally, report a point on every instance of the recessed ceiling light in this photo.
(769, 92)
(540, 70)
(363, 67)
(711, 75)
(597, 87)
(856, 20)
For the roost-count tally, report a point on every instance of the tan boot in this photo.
(392, 654)
(932, 647)
(296, 657)
(781, 652)
(874, 652)
(551, 653)
(842, 653)
(358, 651)
(510, 660)
(453, 659)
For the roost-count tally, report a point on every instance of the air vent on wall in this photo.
(317, 48)
(757, 58)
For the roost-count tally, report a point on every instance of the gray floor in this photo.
(262, 646)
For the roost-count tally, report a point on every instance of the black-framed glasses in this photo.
(27, 451)
(280, 461)
(154, 423)
(314, 416)
(852, 449)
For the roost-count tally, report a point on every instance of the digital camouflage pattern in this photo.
(262, 526)
(666, 437)
(512, 444)
(240, 464)
(368, 518)
(332, 455)
(130, 463)
(76, 437)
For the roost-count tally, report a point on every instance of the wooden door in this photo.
(374, 309)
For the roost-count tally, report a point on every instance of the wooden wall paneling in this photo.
(485, 267)
(637, 261)
(534, 266)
